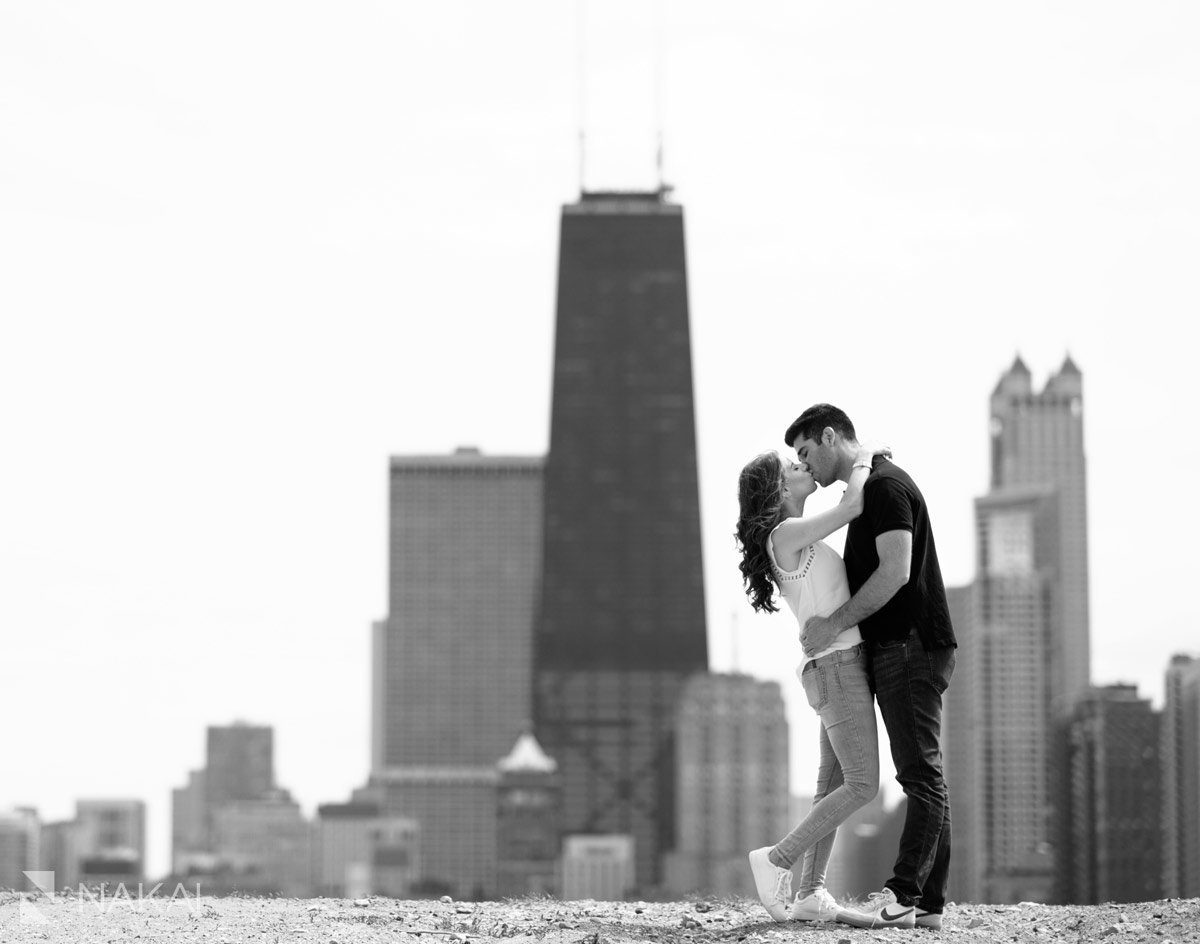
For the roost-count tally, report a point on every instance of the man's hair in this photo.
(813, 421)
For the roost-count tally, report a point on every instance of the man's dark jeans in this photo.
(908, 681)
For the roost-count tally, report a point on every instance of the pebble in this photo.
(361, 902)
(446, 900)
(975, 923)
(1110, 930)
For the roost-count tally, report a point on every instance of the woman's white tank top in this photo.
(815, 588)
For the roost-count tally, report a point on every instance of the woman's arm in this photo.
(795, 534)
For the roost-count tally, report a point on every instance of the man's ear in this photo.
(828, 435)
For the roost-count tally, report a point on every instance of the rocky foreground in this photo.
(336, 921)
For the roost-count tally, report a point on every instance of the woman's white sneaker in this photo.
(819, 906)
(773, 883)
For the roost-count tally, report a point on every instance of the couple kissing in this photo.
(874, 628)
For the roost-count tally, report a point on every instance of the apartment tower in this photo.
(452, 662)
(731, 744)
(1112, 848)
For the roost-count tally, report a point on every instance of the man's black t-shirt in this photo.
(892, 502)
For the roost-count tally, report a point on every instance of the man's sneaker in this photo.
(881, 911)
(773, 883)
(929, 919)
(819, 906)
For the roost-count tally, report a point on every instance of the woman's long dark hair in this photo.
(760, 497)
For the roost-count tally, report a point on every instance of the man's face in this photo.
(820, 459)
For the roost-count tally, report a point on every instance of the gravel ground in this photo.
(337, 921)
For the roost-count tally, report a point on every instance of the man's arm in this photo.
(895, 563)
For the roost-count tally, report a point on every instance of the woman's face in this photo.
(797, 479)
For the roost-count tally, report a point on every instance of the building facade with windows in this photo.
(452, 663)
(621, 622)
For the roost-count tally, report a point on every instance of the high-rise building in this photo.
(189, 824)
(1037, 441)
(622, 620)
(731, 761)
(110, 839)
(232, 826)
(60, 852)
(20, 846)
(1113, 844)
(240, 763)
(1014, 787)
(452, 661)
(1023, 658)
(263, 845)
(358, 851)
(1180, 751)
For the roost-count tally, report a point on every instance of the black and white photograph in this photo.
(599, 471)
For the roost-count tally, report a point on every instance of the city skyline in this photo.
(240, 290)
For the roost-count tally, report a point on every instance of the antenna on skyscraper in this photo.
(581, 55)
(663, 189)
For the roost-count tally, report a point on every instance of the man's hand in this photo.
(870, 448)
(818, 633)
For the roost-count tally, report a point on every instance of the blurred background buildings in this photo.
(543, 716)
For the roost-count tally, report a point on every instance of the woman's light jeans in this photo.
(848, 776)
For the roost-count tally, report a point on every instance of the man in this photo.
(898, 602)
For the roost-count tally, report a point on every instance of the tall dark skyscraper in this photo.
(622, 613)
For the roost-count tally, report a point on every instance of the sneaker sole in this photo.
(815, 919)
(930, 922)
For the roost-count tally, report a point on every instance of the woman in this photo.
(782, 551)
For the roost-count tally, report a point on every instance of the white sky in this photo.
(249, 249)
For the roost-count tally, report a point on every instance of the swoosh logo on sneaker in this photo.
(894, 917)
